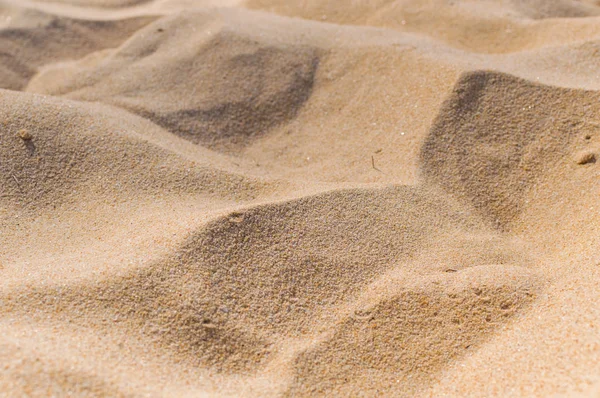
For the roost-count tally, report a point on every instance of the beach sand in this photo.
(273, 198)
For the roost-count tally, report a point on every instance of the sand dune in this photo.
(496, 128)
(227, 105)
(299, 198)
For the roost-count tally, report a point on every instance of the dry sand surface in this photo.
(299, 198)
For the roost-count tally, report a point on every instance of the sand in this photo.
(299, 198)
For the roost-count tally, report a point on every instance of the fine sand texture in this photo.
(299, 198)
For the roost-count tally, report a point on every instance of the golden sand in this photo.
(299, 198)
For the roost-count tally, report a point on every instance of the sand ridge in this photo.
(299, 198)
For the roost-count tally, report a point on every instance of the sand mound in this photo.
(397, 344)
(32, 39)
(497, 134)
(249, 284)
(216, 93)
(69, 149)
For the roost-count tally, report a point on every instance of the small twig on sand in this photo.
(373, 164)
